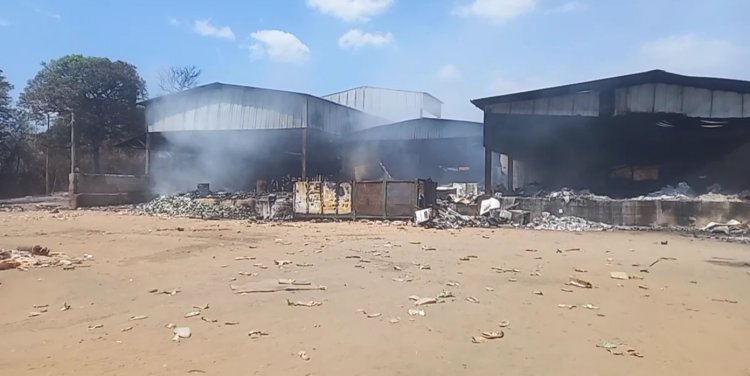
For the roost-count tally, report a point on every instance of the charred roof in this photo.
(649, 77)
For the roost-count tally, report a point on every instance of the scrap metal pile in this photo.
(444, 217)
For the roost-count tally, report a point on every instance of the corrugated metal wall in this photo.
(225, 108)
(582, 104)
(691, 101)
(421, 129)
(395, 105)
(229, 107)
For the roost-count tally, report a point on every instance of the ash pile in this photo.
(548, 221)
(222, 205)
(684, 192)
(731, 228)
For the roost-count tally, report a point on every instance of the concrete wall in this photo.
(639, 212)
(87, 190)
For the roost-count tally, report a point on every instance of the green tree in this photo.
(100, 93)
(9, 134)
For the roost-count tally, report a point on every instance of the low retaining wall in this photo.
(87, 190)
(638, 212)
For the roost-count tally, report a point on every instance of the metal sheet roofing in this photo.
(420, 129)
(649, 77)
(220, 106)
(392, 104)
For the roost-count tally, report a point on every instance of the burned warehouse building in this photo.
(622, 136)
(239, 138)
(232, 136)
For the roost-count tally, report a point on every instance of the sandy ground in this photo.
(673, 320)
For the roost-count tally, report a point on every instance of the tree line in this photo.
(98, 97)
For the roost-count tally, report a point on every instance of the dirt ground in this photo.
(686, 316)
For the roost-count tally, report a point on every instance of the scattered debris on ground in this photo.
(25, 258)
(309, 303)
(619, 275)
(181, 332)
(548, 221)
(662, 259)
(489, 335)
(577, 282)
(614, 349)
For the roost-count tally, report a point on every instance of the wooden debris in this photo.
(577, 282)
(310, 303)
(472, 299)
(662, 258)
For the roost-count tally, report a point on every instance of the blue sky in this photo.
(455, 49)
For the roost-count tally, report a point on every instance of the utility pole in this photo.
(46, 161)
(72, 142)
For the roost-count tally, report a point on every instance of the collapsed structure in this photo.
(623, 136)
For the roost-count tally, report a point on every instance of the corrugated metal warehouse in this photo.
(623, 135)
(443, 150)
(391, 104)
(231, 135)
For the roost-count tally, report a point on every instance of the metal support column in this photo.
(147, 166)
(487, 171)
(304, 153)
(510, 174)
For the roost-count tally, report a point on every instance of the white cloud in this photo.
(351, 10)
(693, 54)
(4, 22)
(173, 21)
(570, 7)
(279, 45)
(50, 14)
(448, 72)
(207, 29)
(497, 11)
(355, 39)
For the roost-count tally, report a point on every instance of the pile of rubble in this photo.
(445, 217)
(491, 214)
(730, 228)
(548, 221)
(567, 195)
(282, 209)
(37, 256)
(186, 206)
(222, 206)
(682, 191)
